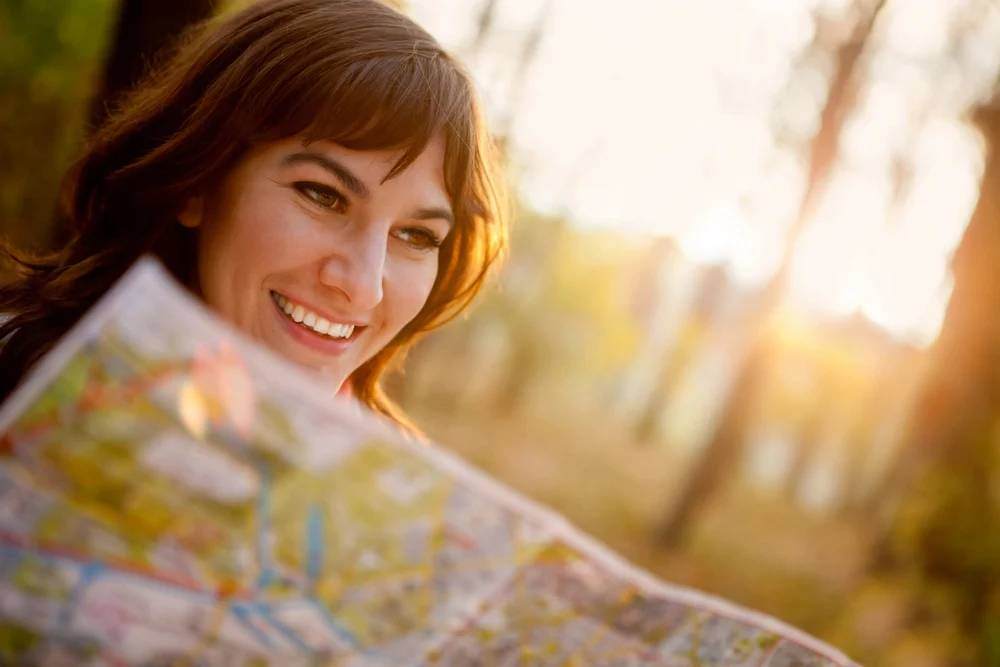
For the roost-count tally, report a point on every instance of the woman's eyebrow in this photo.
(343, 174)
(435, 212)
(357, 186)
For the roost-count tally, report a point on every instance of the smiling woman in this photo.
(317, 171)
(324, 277)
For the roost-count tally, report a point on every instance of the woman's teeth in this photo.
(311, 320)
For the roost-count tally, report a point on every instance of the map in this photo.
(172, 494)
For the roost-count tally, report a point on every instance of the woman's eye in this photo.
(419, 238)
(321, 195)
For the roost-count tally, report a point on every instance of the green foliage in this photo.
(50, 60)
(949, 532)
(564, 295)
(15, 641)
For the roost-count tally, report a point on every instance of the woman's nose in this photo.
(356, 268)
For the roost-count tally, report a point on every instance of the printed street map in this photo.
(171, 494)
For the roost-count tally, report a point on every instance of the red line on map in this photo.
(225, 590)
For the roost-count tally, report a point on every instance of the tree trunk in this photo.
(723, 448)
(962, 391)
(143, 29)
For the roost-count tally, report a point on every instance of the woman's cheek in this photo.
(278, 225)
(422, 283)
(406, 287)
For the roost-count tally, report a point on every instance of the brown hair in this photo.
(354, 72)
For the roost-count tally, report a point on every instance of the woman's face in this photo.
(309, 251)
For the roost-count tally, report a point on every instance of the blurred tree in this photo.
(50, 68)
(696, 320)
(484, 25)
(49, 61)
(526, 58)
(723, 448)
(561, 310)
(143, 29)
(941, 505)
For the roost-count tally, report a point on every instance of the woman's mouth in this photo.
(313, 323)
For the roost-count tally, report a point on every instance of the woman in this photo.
(316, 170)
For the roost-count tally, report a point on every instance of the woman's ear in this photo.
(192, 212)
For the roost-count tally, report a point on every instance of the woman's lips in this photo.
(306, 334)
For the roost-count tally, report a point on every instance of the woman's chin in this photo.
(333, 367)
(332, 371)
(330, 367)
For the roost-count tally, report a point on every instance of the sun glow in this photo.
(660, 118)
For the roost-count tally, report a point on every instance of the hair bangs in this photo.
(385, 102)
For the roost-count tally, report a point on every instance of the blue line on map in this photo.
(314, 545)
(107, 571)
(21, 552)
(267, 574)
(265, 613)
(88, 573)
(243, 612)
(333, 624)
(242, 615)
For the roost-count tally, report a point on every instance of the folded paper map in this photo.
(173, 494)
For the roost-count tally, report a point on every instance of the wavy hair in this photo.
(355, 72)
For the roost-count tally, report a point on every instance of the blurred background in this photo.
(749, 331)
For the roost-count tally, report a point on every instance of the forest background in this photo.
(749, 331)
